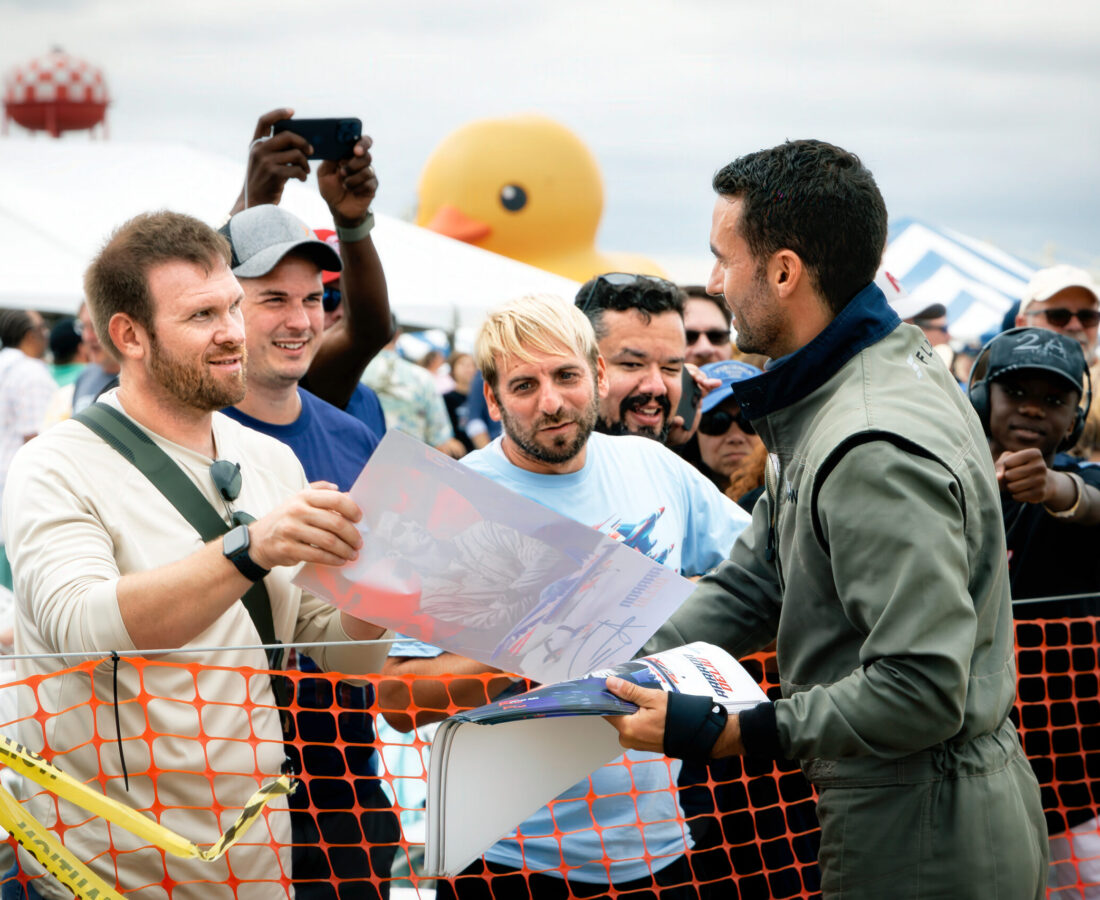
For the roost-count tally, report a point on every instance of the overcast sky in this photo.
(979, 116)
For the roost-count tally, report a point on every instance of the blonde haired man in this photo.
(544, 379)
(540, 321)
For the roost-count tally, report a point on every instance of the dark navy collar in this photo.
(866, 320)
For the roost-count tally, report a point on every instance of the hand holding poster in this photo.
(453, 559)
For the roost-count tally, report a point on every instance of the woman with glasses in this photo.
(724, 440)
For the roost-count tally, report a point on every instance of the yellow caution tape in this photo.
(27, 762)
(49, 851)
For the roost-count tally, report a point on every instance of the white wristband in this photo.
(1072, 512)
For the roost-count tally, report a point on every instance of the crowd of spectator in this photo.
(266, 342)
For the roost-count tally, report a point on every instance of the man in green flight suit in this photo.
(876, 559)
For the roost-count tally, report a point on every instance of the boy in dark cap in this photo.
(1029, 388)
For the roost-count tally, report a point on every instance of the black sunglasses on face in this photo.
(331, 298)
(716, 336)
(929, 325)
(718, 421)
(1059, 317)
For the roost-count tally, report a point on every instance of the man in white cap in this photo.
(1063, 299)
(280, 264)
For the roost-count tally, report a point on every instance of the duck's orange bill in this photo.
(454, 223)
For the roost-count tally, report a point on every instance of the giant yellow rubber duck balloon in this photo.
(525, 187)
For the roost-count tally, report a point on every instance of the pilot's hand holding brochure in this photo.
(483, 781)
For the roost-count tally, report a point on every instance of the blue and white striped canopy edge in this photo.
(974, 280)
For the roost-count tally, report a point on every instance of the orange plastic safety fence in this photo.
(197, 740)
(1058, 716)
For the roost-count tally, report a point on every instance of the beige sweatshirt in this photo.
(197, 740)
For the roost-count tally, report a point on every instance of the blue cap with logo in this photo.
(729, 372)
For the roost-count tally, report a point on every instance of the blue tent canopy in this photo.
(974, 280)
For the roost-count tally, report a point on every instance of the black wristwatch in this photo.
(235, 546)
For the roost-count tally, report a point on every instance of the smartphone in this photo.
(329, 138)
(690, 395)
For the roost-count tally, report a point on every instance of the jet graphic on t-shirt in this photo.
(638, 535)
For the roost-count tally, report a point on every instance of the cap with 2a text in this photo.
(1030, 349)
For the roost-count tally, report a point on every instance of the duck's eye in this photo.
(513, 198)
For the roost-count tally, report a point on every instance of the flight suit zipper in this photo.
(771, 482)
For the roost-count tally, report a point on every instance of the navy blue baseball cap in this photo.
(1037, 349)
(729, 371)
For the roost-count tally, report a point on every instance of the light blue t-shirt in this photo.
(641, 493)
(638, 492)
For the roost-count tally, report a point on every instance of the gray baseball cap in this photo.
(262, 235)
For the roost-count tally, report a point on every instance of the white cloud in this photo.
(979, 115)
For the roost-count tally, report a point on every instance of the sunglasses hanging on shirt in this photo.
(227, 479)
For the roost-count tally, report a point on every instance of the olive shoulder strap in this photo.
(168, 478)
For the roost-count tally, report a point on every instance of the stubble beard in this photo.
(193, 384)
(562, 448)
(760, 336)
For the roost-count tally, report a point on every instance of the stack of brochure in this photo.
(482, 782)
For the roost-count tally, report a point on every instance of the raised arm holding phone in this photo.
(348, 186)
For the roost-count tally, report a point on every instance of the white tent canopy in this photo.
(61, 199)
(975, 281)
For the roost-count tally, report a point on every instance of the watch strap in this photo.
(245, 564)
(356, 232)
(693, 724)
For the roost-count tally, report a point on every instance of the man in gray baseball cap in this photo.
(294, 366)
(262, 236)
(279, 262)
